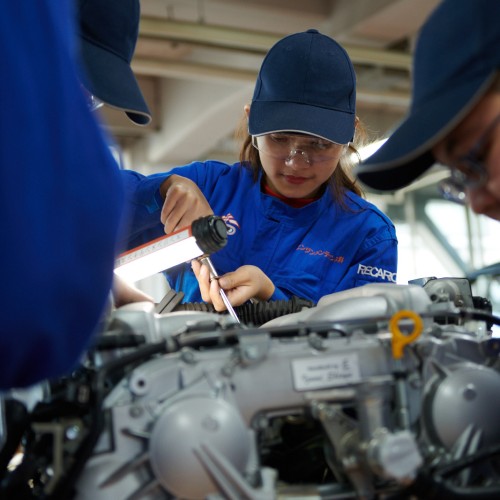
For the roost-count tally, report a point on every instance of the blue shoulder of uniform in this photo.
(356, 202)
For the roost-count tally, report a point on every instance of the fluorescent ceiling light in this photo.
(369, 149)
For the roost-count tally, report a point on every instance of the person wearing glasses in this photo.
(454, 118)
(108, 31)
(297, 222)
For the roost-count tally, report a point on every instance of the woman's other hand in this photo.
(247, 282)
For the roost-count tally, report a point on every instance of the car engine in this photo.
(380, 392)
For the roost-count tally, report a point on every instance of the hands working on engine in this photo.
(247, 282)
(184, 203)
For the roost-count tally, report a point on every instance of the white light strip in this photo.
(158, 255)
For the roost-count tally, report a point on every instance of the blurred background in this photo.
(196, 62)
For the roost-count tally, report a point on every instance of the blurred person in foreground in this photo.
(108, 32)
(61, 198)
(454, 117)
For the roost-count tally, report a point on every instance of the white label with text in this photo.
(325, 371)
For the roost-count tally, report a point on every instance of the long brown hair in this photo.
(340, 181)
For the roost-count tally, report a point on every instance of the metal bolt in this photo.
(210, 424)
(260, 422)
(470, 392)
(251, 352)
(135, 411)
(187, 355)
(72, 432)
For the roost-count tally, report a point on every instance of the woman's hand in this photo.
(247, 282)
(125, 293)
(184, 203)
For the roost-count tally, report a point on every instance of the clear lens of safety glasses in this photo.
(452, 190)
(465, 174)
(92, 101)
(469, 171)
(310, 149)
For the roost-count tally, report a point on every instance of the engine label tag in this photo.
(325, 371)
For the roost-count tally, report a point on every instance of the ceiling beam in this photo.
(218, 74)
(255, 42)
(190, 70)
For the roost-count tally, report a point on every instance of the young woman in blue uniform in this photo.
(297, 223)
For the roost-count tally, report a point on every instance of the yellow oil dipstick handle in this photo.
(399, 339)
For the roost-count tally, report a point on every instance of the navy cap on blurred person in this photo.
(306, 84)
(108, 36)
(456, 59)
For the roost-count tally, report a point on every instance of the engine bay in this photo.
(381, 392)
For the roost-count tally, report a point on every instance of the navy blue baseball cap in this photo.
(457, 57)
(108, 35)
(306, 84)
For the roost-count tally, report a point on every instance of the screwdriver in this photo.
(214, 275)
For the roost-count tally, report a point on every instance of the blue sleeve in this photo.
(61, 197)
(144, 202)
(143, 207)
(280, 295)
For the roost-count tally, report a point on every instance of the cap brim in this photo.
(269, 116)
(112, 80)
(406, 155)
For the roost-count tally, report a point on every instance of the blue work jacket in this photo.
(309, 252)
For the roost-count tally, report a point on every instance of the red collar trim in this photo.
(293, 202)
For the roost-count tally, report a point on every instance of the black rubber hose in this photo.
(254, 314)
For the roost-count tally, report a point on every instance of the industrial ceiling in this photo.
(196, 62)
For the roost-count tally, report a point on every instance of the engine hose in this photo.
(255, 314)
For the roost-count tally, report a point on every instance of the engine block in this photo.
(323, 403)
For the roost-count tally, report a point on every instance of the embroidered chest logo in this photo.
(231, 224)
(338, 259)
